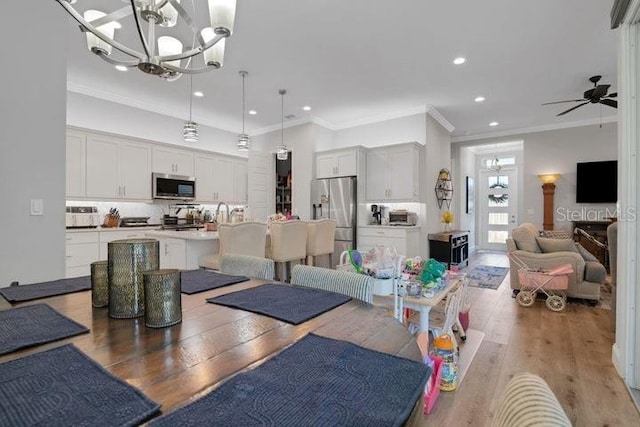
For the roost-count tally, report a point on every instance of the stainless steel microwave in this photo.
(173, 187)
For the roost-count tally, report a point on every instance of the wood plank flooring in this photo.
(571, 350)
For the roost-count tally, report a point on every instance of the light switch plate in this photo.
(37, 207)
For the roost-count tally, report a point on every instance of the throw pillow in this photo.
(525, 239)
(556, 245)
(556, 234)
(586, 255)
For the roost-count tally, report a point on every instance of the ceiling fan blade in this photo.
(561, 102)
(612, 95)
(572, 108)
(609, 102)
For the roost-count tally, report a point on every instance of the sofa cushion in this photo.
(556, 245)
(586, 255)
(525, 238)
(594, 272)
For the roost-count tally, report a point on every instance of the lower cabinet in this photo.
(173, 253)
(404, 239)
(81, 249)
(110, 236)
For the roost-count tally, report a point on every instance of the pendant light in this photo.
(282, 152)
(495, 165)
(243, 138)
(190, 131)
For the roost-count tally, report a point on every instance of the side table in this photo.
(450, 247)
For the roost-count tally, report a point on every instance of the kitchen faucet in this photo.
(218, 211)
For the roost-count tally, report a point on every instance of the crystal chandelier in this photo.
(495, 165)
(243, 138)
(155, 25)
(190, 131)
(282, 152)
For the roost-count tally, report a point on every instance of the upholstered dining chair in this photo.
(359, 286)
(320, 239)
(242, 238)
(246, 265)
(288, 243)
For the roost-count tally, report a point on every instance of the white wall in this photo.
(97, 114)
(465, 166)
(32, 134)
(395, 131)
(559, 151)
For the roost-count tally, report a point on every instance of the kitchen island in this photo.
(181, 249)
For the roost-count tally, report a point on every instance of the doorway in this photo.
(498, 210)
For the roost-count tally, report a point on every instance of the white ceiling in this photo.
(358, 61)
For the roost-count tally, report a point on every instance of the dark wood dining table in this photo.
(178, 364)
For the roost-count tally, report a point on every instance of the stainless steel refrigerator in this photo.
(336, 198)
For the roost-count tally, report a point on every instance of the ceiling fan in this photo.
(597, 94)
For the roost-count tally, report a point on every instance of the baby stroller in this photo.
(551, 282)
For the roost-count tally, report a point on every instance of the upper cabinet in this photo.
(173, 161)
(220, 179)
(393, 173)
(76, 163)
(117, 168)
(337, 163)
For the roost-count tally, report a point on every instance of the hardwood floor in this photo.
(570, 350)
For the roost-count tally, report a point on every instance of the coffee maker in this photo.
(376, 213)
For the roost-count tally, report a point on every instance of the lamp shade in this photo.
(215, 54)
(549, 178)
(94, 44)
(222, 14)
(170, 14)
(168, 45)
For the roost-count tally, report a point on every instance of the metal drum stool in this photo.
(99, 284)
(162, 298)
(128, 259)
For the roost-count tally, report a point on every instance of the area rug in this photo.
(36, 324)
(195, 281)
(46, 289)
(63, 387)
(486, 276)
(291, 304)
(315, 382)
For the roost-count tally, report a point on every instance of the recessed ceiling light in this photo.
(493, 124)
(198, 94)
(459, 60)
(306, 108)
(121, 68)
(479, 99)
(253, 112)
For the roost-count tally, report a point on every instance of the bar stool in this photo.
(288, 243)
(99, 284)
(162, 299)
(242, 238)
(320, 239)
(128, 259)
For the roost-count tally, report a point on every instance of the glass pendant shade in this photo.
(282, 152)
(170, 14)
(222, 14)
(168, 45)
(95, 44)
(190, 132)
(243, 142)
(214, 56)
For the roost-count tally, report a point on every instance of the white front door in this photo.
(498, 200)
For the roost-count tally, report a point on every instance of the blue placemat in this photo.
(316, 382)
(291, 304)
(46, 289)
(63, 387)
(32, 325)
(194, 281)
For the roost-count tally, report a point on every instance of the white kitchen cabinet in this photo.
(173, 161)
(107, 236)
(117, 168)
(76, 165)
(220, 179)
(393, 173)
(173, 253)
(337, 163)
(406, 240)
(81, 249)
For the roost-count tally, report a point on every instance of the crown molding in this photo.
(380, 118)
(543, 128)
(131, 102)
(435, 114)
(289, 124)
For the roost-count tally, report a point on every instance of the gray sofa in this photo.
(536, 251)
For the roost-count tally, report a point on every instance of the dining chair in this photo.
(246, 265)
(242, 238)
(288, 243)
(320, 239)
(359, 286)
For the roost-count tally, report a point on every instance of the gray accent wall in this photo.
(32, 141)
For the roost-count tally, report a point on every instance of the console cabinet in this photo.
(451, 248)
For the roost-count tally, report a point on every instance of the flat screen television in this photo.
(597, 182)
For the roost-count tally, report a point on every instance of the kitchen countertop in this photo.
(184, 234)
(388, 226)
(96, 229)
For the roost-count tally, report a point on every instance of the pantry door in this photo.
(498, 210)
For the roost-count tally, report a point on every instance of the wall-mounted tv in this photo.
(597, 182)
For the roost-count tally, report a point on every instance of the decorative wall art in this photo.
(444, 188)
